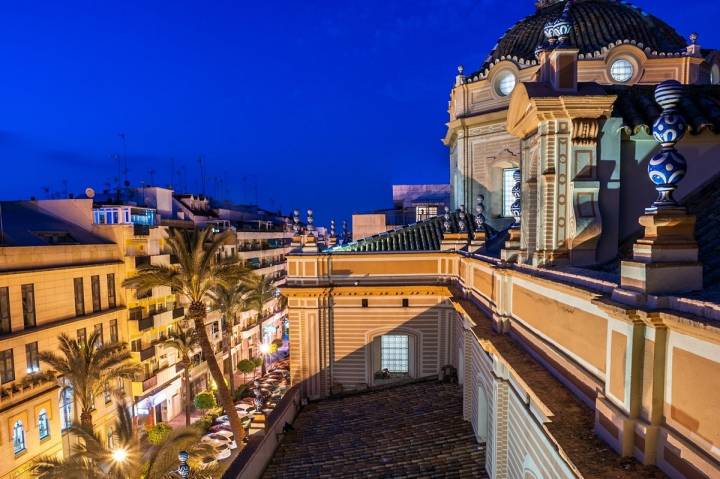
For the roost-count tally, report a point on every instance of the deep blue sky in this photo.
(322, 104)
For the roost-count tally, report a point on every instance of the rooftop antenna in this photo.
(202, 174)
(172, 172)
(2, 229)
(125, 163)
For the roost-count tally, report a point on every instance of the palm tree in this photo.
(261, 291)
(230, 301)
(92, 458)
(184, 341)
(200, 271)
(88, 366)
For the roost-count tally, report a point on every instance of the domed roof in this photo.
(595, 25)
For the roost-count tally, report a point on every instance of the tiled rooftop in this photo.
(413, 430)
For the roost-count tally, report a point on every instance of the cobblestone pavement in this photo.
(410, 431)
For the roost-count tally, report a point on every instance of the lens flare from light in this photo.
(119, 455)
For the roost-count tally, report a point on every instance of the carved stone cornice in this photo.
(527, 111)
(388, 290)
(585, 131)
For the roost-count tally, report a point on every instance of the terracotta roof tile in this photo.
(414, 430)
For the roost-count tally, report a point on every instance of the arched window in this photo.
(18, 437)
(66, 408)
(43, 424)
(482, 415)
(110, 438)
(715, 75)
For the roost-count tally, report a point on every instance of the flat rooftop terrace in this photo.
(413, 430)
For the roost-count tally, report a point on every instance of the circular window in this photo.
(505, 83)
(715, 75)
(622, 70)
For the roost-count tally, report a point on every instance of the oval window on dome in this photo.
(505, 83)
(622, 70)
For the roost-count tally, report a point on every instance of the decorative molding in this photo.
(585, 131)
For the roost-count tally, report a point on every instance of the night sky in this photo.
(320, 104)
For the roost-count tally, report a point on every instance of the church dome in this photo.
(596, 24)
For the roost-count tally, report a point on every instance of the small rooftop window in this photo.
(505, 83)
(622, 70)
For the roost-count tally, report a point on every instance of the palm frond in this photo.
(75, 467)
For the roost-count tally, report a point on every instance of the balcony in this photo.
(178, 312)
(25, 388)
(141, 230)
(147, 353)
(149, 383)
(141, 261)
(146, 323)
(135, 314)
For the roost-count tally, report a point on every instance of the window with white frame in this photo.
(66, 408)
(18, 437)
(43, 424)
(507, 185)
(395, 353)
(425, 212)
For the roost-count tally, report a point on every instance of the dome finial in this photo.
(558, 30)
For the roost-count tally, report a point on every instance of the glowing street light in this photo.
(119, 455)
(265, 349)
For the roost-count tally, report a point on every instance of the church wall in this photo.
(651, 377)
(504, 416)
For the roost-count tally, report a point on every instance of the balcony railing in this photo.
(141, 230)
(149, 383)
(31, 385)
(141, 261)
(147, 353)
(146, 323)
(135, 314)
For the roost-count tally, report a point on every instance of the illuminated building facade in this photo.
(565, 320)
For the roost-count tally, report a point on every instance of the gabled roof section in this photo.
(421, 236)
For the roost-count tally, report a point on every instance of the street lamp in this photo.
(119, 455)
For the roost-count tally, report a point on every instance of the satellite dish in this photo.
(89, 192)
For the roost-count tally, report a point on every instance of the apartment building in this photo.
(262, 239)
(54, 278)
